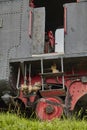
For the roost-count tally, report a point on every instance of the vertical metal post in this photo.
(18, 77)
(65, 22)
(62, 71)
(25, 74)
(42, 73)
(29, 74)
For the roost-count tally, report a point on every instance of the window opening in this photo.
(54, 19)
(54, 13)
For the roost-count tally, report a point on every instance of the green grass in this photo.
(13, 122)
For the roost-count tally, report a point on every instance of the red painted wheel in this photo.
(48, 108)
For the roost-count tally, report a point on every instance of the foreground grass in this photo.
(13, 122)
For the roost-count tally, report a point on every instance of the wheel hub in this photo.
(49, 109)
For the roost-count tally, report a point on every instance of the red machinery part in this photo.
(49, 111)
(77, 90)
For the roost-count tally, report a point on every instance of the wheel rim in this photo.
(46, 111)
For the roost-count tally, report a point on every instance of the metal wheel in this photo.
(49, 108)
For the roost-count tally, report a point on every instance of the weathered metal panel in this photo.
(23, 48)
(10, 32)
(59, 40)
(6, 0)
(76, 33)
(82, 0)
(14, 38)
(10, 6)
(38, 30)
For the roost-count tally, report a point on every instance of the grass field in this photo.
(13, 122)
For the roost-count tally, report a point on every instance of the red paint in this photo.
(77, 1)
(55, 92)
(22, 98)
(32, 98)
(42, 106)
(51, 39)
(77, 90)
(36, 78)
(31, 3)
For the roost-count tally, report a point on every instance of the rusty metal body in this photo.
(28, 75)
